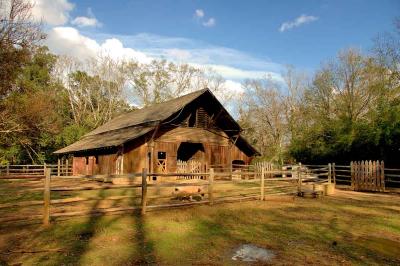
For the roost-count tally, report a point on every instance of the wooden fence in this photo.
(368, 176)
(146, 193)
(191, 166)
(33, 170)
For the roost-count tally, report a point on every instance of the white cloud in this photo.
(89, 21)
(69, 41)
(233, 73)
(303, 19)
(114, 48)
(199, 13)
(209, 23)
(231, 64)
(178, 54)
(234, 87)
(85, 22)
(53, 12)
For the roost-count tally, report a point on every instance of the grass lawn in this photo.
(346, 229)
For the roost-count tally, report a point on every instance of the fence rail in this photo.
(150, 191)
(33, 170)
(149, 194)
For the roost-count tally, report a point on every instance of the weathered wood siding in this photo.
(197, 135)
(105, 164)
(217, 151)
(135, 158)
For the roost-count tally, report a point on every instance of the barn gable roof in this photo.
(137, 123)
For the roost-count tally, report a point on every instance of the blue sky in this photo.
(241, 39)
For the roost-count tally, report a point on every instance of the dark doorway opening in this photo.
(237, 164)
(190, 151)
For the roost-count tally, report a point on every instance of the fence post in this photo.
(58, 166)
(44, 169)
(210, 187)
(262, 183)
(352, 175)
(329, 173)
(8, 169)
(46, 198)
(334, 173)
(383, 176)
(299, 179)
(66, 167)
(144, 191)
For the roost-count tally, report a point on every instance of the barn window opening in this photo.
(192, 121)
(202, 119)
(238, 164)
(199, 119)
(96, 159)
(162, 155)
(87, 160)
(189, 151)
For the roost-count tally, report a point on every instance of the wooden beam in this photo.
(210, 186)
(144, 191)
(46, 198)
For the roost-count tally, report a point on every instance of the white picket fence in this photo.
(190, 166)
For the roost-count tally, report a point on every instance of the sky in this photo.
(238, 39)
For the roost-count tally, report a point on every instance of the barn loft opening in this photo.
(198, 118)
(190, 151)
(237, 164)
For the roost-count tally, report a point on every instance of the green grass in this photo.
(346, 229)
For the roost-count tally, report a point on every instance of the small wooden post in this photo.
(352, 175)
(58, 166)
(144, 191)
(383, 176)
(262, 183)
(299, 177)
(210, 187)
(66, 167)
(46, 198)
(334, 173)
(8, 169)
(44, 169)
(329, 173)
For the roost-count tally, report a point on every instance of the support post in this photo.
(46, 198)
(66, 166)
(8, 169)
(144, 191)
(210, 187)
(299, 179)
(334, 173)
(58, 166)
(262, 183)
(329, 173)
(44, 169)
(383, 176)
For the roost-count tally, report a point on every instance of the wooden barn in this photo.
(190, 133)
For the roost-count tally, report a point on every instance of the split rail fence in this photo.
(16, 171)
(66, 196)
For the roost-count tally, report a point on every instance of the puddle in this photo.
(251, 253)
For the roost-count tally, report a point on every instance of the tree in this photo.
(33, 111)
(19, 34)
(160, 80)
(95, 96)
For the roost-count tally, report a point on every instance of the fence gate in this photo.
(268, 167)
(190, 166)
(368, 176)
